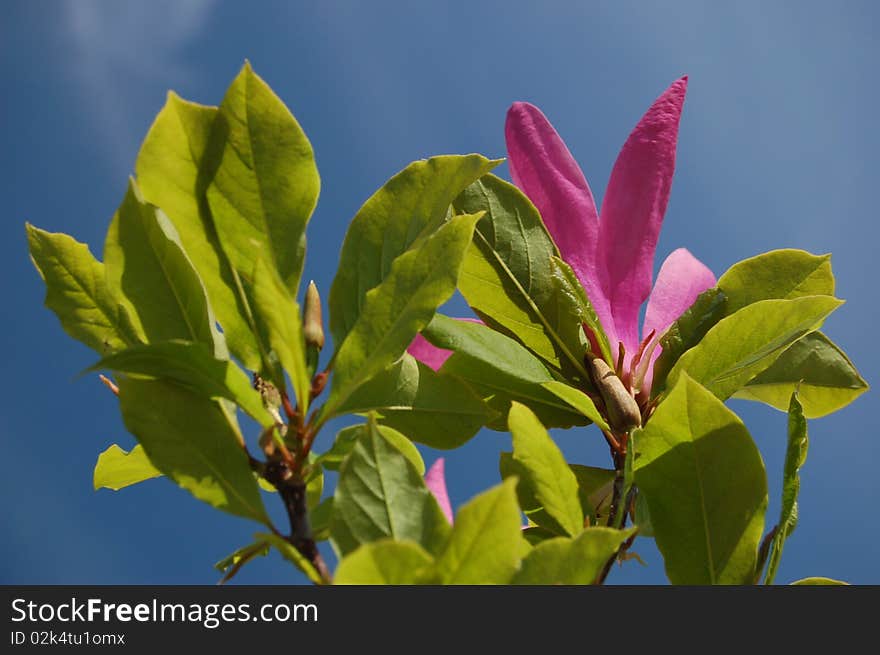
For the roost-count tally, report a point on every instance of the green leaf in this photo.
(191, 439)
(486, 544)
(825, 377)
(744, 344)
(704, 482)
(193, 366)
(76, 290)
(819, 582)
(347, 438)
(278, 317)
(578, 400)
(232, 563)
(174, 167)
(686, 332)
(384, 562)
(314, 482)
(147, 266)
(795, 456)
(380, 493)
(393, 313)
(784, 274)
(320, 518)
(116, 468)
(266, 183)
(578, 561)
(291, 554)
(596, 488)
(407, 209)
(437, 410)
(546, 470)
(507, 274)
(500, 370)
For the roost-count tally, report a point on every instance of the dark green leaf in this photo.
(380, 493)
(410, 207)
(705, 485)
(193, 441)
(795, 456)
(116, 469)
(826, 379)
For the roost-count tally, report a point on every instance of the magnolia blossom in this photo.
(435, 480)
(611, 252)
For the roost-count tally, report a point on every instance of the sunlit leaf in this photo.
(116, 469)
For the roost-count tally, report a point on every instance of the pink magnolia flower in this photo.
(435, 480)
(611, 252)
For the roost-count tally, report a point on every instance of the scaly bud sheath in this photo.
(622, 410)
(313, 328)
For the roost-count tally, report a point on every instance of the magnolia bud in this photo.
(622, 410)
(313, 329)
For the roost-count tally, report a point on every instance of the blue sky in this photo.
(778, 148)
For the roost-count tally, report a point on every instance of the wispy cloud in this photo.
(124, 53)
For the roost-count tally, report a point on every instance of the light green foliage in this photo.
(744, 344)
(440, 411)
(190, 365)
(814, 582)
(379, 494)
(116, 469)
(795, 456)
(384, 562)
(578, 400)
(78, 293)
(543, 466)
(147, 266)
(291, 554)
(577, 561)
(486, 544)
(393, 313)
(266, 184)
(825, 378)
(347, 438)
(190, 439)
(409, 207)
(704, 482)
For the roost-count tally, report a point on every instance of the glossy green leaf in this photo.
(393, 313)
(578, 400)
(346, 439)
(76, 290)
(146, 264)
(795, 456)
(783, 274)
(407, 209)
(266, 183)
(486, 544)
(193, 366)
(825, 377)
(500, 370)
(116, 469)
(380, 493)
(440, 411)
(507, 274)
(577, 561)
(818, 581)
(744, 344)
(686, 332)
(190, 439)
(384, 562)
(174, 167)
(704, 482)
(291, 554)
(277, 315)
(545, 468)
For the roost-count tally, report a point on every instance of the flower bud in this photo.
(313, 329)
(621, 408)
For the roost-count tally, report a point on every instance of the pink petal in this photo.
(681, 279)
(633, 208)
(435, 480)
(543, 168)
(429, 354)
